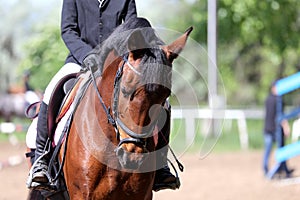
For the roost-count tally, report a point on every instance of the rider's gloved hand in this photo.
(91, 61)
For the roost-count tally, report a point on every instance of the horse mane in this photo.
(153, 61)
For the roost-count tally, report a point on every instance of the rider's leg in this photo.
(41, 167)
(164, 179)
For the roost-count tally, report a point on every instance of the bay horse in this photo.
(112, 142)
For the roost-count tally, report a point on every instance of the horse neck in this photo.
(106, 84)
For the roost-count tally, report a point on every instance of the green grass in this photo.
(226, 139)
(19, 134)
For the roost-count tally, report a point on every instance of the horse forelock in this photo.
(118, 40)
(156, 70)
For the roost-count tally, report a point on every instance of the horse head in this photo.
(140, 93)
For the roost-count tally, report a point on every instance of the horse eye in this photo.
(132, 95)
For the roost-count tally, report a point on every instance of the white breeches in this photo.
(67, 69)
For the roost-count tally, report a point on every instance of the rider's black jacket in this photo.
(84, 24)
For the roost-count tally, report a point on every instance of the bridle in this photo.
(137, 138)
(115, 121)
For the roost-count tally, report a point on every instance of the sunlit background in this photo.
(257, 43)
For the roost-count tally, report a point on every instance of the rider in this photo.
(84, 25)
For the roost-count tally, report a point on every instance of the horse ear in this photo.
(173, 50)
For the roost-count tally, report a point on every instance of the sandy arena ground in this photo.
(222, 176)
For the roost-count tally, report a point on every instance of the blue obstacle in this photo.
(287, 152)
(284, 86)
(288, 84)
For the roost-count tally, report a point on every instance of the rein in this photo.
(110, 119)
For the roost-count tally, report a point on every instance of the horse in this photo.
(109, 151)
(15, 104)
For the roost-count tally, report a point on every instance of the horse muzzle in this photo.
(131, 160)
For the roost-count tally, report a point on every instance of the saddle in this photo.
(61, 99)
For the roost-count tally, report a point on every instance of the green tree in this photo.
(264, 35)
(44, 55)
(19, 19)
(258, 42)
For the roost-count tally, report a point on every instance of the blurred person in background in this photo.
(270, 128)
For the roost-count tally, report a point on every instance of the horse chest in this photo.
(124, 186)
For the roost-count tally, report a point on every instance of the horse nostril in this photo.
(120, 152)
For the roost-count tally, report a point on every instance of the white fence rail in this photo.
(190, 115)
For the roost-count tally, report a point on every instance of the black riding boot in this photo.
(40, 169)
(164, 179)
